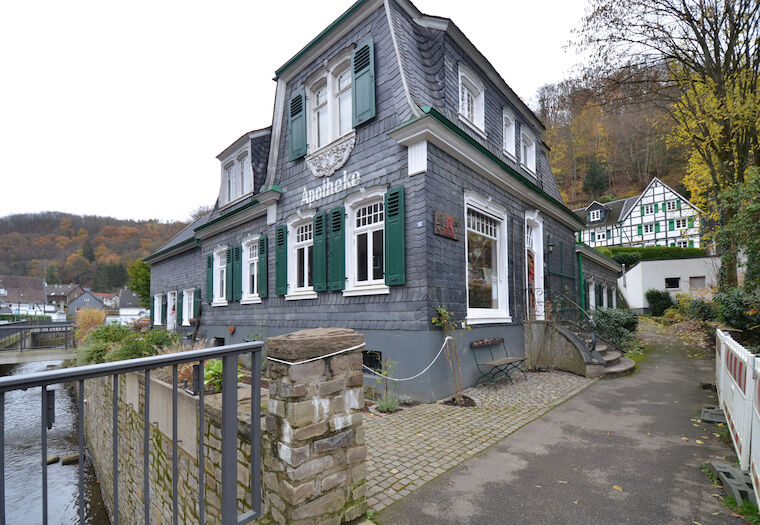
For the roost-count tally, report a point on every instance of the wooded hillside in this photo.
(89, 250)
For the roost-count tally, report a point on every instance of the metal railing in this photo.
(565, 310)
(229, 356)
(24, 330)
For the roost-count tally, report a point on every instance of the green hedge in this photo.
(653, 252)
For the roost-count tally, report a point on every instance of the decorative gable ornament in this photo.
(326, 161)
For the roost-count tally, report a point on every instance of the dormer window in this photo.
(471, 100)
(330, 101)
(236, 178)
(508, 131)
(528, 152)
(594, 215)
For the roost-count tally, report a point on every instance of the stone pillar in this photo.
(313, 450)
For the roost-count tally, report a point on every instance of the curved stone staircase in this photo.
(615, 363)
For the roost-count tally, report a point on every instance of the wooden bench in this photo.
(497, 365)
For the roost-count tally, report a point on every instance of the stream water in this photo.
(23, 471)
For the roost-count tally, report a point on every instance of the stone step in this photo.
(602, 348)
(611, 357)
(623, 367)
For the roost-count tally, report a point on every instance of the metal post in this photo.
(146, 448)
(175, 503)
(80, 432)
(201, 452)
(115, 447)
(229, 440)
(43, 424)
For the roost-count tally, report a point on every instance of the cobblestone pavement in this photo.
(407, 449)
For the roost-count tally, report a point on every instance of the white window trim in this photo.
(672, 205)
(648, 209)
(684, 226)
(595, 215)
(600, 236)
(219, 297)
(328, 76)
(293, 293)
(489, 315)
(530, 163)
(351, 203)
(473, 83)
(236, 164)
(247, 297)
(188, 297)
(507, 140)
(649, 225)
(171, 317)
(157, 309)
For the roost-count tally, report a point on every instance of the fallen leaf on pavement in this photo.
(699, 442)
(558, 481)
(576, 502)
(538, 486)
(684, 439)
(618, 488)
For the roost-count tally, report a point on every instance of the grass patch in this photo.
(725, 435)
(709, 474)
(747, 510)
(634, 350)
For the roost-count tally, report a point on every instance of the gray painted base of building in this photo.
(409, 351)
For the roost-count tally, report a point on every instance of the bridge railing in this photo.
(229, 415)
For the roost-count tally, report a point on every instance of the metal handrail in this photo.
(229, 356)
(588, 315)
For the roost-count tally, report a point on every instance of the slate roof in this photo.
(62, 290)
(87, 300)
(128, 299)
(616, 211)
(20, 289)
(185, 234)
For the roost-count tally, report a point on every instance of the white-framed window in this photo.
(157, 306)
(300, 258)
(188, 301)
(365, 243)
(649, 228)
(601, 236)
(672, 205)
(528, 152)
(250, 263)
(680, 223)
(486, 261)
(648, 208)
(594, 215)
(509, 132)
(529, 236)
(471, 99)
(672, 282)
(236, 178)
(329, 100)
(220, 277)
(682, 243)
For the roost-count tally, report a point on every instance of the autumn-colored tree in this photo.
(76, 270)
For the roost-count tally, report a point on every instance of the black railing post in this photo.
(229, 439)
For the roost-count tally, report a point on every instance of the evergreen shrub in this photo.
(659, 301)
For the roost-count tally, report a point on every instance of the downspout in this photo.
(581, 288)
(415, 109)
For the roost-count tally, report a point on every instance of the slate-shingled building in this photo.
(400, 173)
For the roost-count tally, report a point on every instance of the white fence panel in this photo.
(720, 371)
(754, 451)
(737, 393)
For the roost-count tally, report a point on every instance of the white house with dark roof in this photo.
(659, 216)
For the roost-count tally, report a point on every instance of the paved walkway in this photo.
(625, 450)
(407, 449)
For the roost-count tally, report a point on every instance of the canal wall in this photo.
(98, 433)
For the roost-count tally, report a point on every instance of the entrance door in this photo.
(531, 261)
(171, 314)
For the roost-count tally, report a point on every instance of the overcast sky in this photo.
(120, 109)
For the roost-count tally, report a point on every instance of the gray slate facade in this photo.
(417, 140)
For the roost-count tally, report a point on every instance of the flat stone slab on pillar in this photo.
(712, 414)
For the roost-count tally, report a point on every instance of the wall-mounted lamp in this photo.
(551, 247)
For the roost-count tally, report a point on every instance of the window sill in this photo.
(530, 172)
(473, 126)
(299, 296)
(219, 303)
(375, 289)
(185, 324)
(493, 319)
(251, 300)
(511, 156)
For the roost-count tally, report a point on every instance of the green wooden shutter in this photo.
(657, 207)
(678, 204)
(163, 308)
(642, 211)
(263, 266)
(152, 309)
(180, 297)
(228, 281)
(640, 229)
(297, 124)
(319, 265)
(209, 277)
(196, 303)
(337, 247)
(363, 82)
(281, 260)
(691, 244)
(237, 272)
(690, 221)
(395, 272)
(672, 244)
(671, 224)
(657, 227)
(608, 235)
